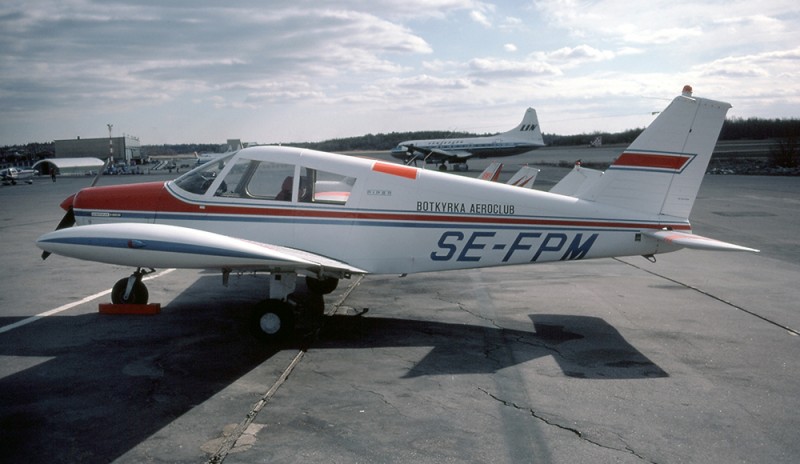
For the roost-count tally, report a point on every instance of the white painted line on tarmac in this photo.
(67, 306)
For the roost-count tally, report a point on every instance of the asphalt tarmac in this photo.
(691, 359)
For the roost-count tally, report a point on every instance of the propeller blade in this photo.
(99, 173)
(67, 221)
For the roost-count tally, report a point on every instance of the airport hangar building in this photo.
(125, 149)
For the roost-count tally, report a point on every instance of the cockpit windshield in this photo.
(200, 179)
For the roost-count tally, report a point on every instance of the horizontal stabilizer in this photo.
(697, 242)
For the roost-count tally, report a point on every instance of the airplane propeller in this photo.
(412, 155)
(69, 218)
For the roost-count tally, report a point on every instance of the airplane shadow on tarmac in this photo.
(92, 387)
(584, 347)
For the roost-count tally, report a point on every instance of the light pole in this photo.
(110, 143)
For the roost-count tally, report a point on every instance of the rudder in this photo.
(661, 171)
(528, 130)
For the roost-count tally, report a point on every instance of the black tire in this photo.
(321, 286)
(274, 321)
(139, 293)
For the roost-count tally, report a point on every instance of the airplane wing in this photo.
(697, 242)
(165, 246)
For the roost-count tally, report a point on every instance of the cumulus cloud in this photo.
(579, 54)
(175, 49)
(488, 67)
(774, 63)
(480, 18)
(70, 62)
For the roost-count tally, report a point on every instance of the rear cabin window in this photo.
(327, 187)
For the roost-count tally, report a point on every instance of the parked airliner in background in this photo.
(233, 146)
(289, 211)
(525, 137)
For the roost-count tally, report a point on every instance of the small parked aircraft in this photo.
(524, 177)
(525, 137)
(12, 175)
(289, 212)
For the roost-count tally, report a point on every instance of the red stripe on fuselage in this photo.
(129, 197)
(650, 160)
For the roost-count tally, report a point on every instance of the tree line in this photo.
(732, 129)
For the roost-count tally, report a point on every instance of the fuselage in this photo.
(15, 174)
(477, 147)
(381, 217)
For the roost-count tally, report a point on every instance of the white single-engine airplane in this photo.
(12, 175)
(289, 212)
(525, 137)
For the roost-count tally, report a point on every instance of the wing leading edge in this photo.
(166, 246)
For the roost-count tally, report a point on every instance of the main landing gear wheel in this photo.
(137, 295)
(130, 290)
(321, 286)
(274, 321)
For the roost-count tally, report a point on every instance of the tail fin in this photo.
(577, 181)
(528, 130)
(662, 169)
(492, 172)
(524, 178)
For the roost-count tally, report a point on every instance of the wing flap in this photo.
(164, 246)
(693, 241)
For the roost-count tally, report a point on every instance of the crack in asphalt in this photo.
(380, 396)
(573, 430)
(478, 315)
(230, 441)
(791, 331)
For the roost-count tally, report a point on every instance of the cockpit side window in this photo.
(235, 183)
(200, 179)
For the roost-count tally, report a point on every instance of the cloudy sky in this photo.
(290, 71)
